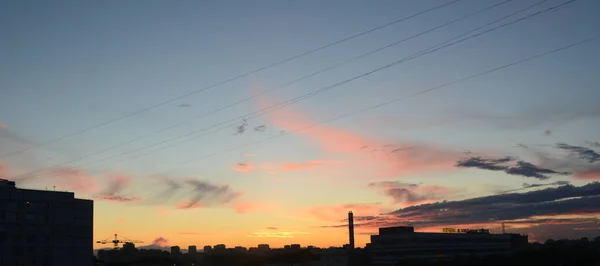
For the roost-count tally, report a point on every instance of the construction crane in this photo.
(116, 241)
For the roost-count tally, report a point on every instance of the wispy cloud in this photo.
(276, 234)
(116, 184)
(335, 212)
(594, 144)
(261, 128)
(378, 162)
(520, 168)
(246, 207)
(74, 179)
(584, 153)
(493, 164)
(184, 105)
(547, 133)
(526, 186)
(241, 128)
(243, 167)
(206, 194)
(309, 164)
(272, 228)
(591, 172)
(410, 194)
(529, 170)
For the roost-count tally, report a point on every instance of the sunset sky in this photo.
(248, 122)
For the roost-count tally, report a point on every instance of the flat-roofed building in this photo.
(394, 244)
(40, 227)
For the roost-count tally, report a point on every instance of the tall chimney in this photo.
(351, 229)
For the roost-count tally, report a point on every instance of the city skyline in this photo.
(203, 123)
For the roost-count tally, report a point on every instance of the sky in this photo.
(249, 122)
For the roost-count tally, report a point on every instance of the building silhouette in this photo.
(394, 244)
(175, 251)
(192, 249)
(44, 227)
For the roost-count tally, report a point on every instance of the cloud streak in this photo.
(207, 194)
(378, 163)
(520, 168)
(116, 184)
(243, 167)
(409, 194)
(526, 186)
(583, 153)
(563, 200)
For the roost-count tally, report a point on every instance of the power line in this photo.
(268, 91)
(228, 80)
(406, 97)
(403, 60)
(305, 96)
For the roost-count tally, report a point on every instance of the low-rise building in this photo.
(394, 244)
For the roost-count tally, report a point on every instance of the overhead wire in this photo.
(431, 49)
(263, 93)
(402, 98)
(416, 55)
(110, 121)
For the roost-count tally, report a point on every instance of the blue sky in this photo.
(71, 65)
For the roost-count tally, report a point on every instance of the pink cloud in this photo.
(250, 154)
(115, 198)
(246, 207)
(160, 242)
(3, 171)
(339, 212)
(372, 157)
(120, 221)
(243, 167)
(74, 179)
(187, 205)
(113, 191)
(162, 212)
(589, 173)
(309, 164)
(408, 194)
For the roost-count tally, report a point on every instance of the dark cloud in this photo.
(183, 105)
(172, 188)
(511, 207)
(529, 170)
(528, 186)
(113, 191)
(582, 152)
(594, 144)
(547, 132)
(241, 128)
(118, 198)
(406, 192)
(260, 128)
(521, 168)
(272, 228)
(205, 194)
(493, 164)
